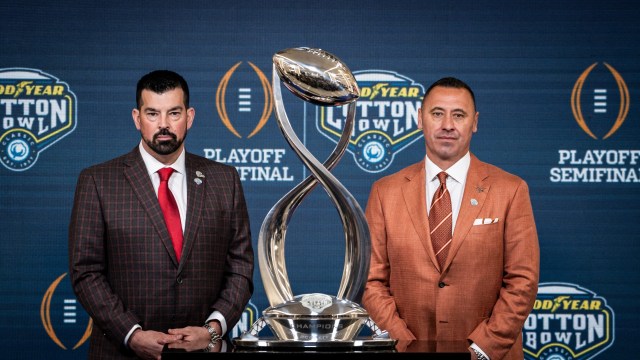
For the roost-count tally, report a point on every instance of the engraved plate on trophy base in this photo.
(316, 317)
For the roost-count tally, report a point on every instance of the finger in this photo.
(176, 345)
(169, 339)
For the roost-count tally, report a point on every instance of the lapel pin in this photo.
(199, 174)
(479, 189)
(197, 181)
(474, 202)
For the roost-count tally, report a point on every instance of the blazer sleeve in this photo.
(497, 334)
(377, 298)
(87, 263)
(237, 287)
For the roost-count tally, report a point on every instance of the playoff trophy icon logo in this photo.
(314, 320)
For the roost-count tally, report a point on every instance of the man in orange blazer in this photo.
(487, 284)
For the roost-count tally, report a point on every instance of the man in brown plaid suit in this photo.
(140, 295)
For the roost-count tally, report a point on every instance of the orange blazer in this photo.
(489, 282)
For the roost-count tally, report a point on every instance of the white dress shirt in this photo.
(177, 181)
(455, 183)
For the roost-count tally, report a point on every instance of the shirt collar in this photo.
(457, 171)
(153, 165)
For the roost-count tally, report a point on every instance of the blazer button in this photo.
(179, 279)
(441, 284)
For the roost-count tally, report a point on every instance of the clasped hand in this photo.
(148, 344)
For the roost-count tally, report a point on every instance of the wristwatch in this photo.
(214, 337)
(479, 355)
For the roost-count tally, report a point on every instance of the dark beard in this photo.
(164, 147)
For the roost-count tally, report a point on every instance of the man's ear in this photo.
(191, 114)
(135, 114)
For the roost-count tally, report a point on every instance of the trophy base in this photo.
(315, 323)
(357, 345)
(316, 318)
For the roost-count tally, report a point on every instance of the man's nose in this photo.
(447, 121)
(163, 122)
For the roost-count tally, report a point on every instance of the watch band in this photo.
(214, 337)
(479, 355)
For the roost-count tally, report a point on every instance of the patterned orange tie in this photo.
(170, 210)
(440, 220)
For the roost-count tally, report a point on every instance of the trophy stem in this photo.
(356, 231)
(275, 225)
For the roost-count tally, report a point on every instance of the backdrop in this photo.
(558, 91)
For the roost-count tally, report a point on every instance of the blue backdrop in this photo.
(557, 86)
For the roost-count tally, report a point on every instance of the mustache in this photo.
(164, 132)
(447, 134)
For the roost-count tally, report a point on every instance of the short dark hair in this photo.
(451, 82)
(160, 81)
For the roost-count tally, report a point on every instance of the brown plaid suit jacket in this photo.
(122, 264)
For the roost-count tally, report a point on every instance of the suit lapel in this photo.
(473, 199)
(196, 185)
(417, 207)
(136, 173)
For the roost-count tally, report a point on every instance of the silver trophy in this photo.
(316, 319)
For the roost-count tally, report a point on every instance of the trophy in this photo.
(314, 320)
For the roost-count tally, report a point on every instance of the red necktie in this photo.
(440, 220)
(170, 210)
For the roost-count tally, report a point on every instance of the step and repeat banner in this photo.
(557, 85)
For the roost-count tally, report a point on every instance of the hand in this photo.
(192, 338)
(473, 354)
(148, 344)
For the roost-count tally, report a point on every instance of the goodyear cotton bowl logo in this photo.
(66, 323)
(386, 118)
(37, 110)
(568, 322)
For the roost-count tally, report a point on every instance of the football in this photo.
(316, 76)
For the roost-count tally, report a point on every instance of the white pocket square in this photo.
(485, 221)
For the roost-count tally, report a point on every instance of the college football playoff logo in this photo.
(606, 101)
